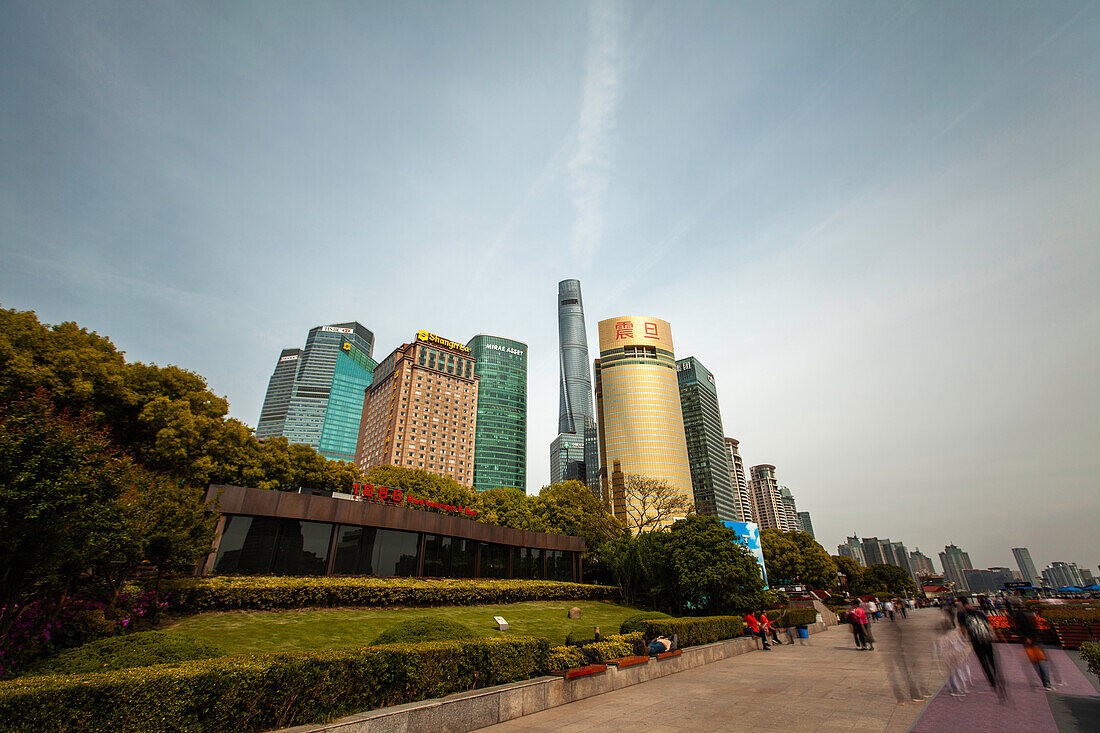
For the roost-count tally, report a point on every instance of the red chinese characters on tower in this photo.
(651, 330)
(624, 330)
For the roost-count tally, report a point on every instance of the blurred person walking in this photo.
(976, 626)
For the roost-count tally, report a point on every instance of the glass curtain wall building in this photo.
(308, 403)
(640, 421)
(707, 456)
(350, 378)
(277, 399)
(574, 454)
(500, 440)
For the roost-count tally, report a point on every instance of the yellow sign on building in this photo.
(431, 338)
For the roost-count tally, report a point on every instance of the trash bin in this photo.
(803, 632)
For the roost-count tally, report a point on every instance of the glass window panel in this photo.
(494, 560)
(437, 556)
(463, 555)
(354, 550)
(258, 550)
(302, 548)
(396, 553)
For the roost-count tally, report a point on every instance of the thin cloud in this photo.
(590, 166)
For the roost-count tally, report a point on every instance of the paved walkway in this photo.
(828, 685)
(824, 685)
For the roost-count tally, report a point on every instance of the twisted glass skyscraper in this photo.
(573, 454)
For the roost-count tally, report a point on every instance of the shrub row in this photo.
(695, 631)
(637, 621)
(1090, 652)
(227, 593)
(615, 646)
(254, 693)
(798, 617)
(143, 649)
(1071, 615)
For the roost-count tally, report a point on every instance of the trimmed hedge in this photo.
(262, 692)
(798, 617)
(615, 646)
(228, 593)
(429, 628)
(1090, 652)
(142, 649)
(1071, 615)
(637, 621)
(693, 631)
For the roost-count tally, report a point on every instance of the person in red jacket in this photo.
(766, 623)
(756, 629)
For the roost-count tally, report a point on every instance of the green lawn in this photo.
(240, 632)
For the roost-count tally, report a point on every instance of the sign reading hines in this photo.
(431, 338)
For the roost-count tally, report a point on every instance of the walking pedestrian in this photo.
(976, 626)
(857, 617)
(889, 606)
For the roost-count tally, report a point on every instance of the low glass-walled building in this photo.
(280, 533)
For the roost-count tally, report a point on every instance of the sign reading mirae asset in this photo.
(431, 338)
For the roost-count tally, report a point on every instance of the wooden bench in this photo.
(666, 655)
(628, 661)
(581, 671)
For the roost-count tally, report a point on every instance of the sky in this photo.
(877, 224)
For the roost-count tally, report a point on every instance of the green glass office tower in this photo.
(350, 378)
(707, 456)
(500, 438)
(297, 406)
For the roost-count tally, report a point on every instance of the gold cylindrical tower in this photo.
(641, 426)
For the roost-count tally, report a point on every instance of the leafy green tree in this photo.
(423, 485)
(59, 479)
(853, 573)
(888, 579)
(710, 569)
(571, 508)
(795, 557)
(508, 508)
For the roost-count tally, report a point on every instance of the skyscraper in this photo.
(921, 563)
(500, 442)
(710, 467)
(420, 410)
(805, 524)
(640, 421)
(277, 399)
(739, 483)
(789, 510)
(1027, 567)
(297, 406)
(1061, 574)
(954, 561)
(854, 549)
(873, 551)
(351, 376)
(569, 458)
(764, 491)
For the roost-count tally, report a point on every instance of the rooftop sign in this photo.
(431, 338)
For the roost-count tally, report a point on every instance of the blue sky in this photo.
(876, 223)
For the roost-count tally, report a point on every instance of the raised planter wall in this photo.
(467, 711)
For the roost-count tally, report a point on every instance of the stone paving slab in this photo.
(823, 685)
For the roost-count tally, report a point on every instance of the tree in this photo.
(636, 564)
(888, 579)
(423, 485)
(650, 503)
(795, 557)
(853, 573)
(59, 478)
(507, 507)
(571, 508)
(711, 570)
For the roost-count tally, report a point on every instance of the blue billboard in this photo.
(749, 535)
